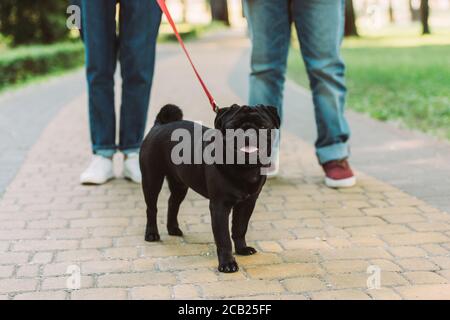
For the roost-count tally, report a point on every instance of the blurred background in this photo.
(397, 51)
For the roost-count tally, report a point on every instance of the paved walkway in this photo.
(313, 242)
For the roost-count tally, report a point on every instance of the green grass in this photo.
(402, 78)
(21, 65)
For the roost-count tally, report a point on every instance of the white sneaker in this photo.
(100, 171)
(131, 169)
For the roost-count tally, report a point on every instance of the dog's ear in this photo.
(273, 114)
(222, 114)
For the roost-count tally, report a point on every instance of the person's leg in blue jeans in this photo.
(270, 30)
(99, 30)
(320, 28)
(135, 46)
(138, 30)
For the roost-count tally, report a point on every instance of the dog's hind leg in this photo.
(151, 184)
(178, 192)
(241, 217)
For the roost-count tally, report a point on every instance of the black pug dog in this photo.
(229, 187)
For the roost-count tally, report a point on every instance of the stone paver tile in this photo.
(175, 250)
(198, 275)
(100, 294)
(27, 271)
(78, 255)
(383, 294)
(6, 271)
(299, 255)
(445, 273)
(309, 244)
(21, 234)
(55, 283)
(105, 266)
(378, 230)
(435, 249)
(135, 279)
(415, 238)
(14, 257)
(17, 285)
(442, 262)
(260, 258)
(151, 293)
(417, 264)
(368, 241)
(425, 292)
(303, 284)
(340, 295)
(396, 218)
(355, 253)
(407, 252)
(240, 288)
(45, 245)
(185, 291)
(42, 258)
(424, 277)
(42, 295)
(354, 221)
(284, 270)
(385, 265)
(270, 246)
(391, 210)
(430, 226)
(345, 266)
(187, 262)
(359, 280)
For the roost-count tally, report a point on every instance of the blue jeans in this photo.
(134, 45)
(320, 26)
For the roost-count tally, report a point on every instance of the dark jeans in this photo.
(134, 44)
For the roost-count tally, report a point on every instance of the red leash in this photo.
(162, 5)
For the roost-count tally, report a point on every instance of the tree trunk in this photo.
(219, 11)
(391, 12)
(424, 15)
(184, 11)
(350, 19)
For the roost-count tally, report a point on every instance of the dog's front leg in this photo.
(241, 217)
(220, 213)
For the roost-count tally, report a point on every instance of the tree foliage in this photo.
(31, 21)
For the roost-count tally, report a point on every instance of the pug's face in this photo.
(253, 128)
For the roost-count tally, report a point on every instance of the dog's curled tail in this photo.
(169, 113)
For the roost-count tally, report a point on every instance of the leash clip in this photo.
(215, 107)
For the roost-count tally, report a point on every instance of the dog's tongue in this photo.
(249, 149)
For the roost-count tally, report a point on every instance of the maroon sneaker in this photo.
(338, 174)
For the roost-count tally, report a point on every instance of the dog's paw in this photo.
(246, 251)
(152, 237)
(228, 267)
(175, 232)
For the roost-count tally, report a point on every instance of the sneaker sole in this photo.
(342, 183)
(127, 176)
(95, 183)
